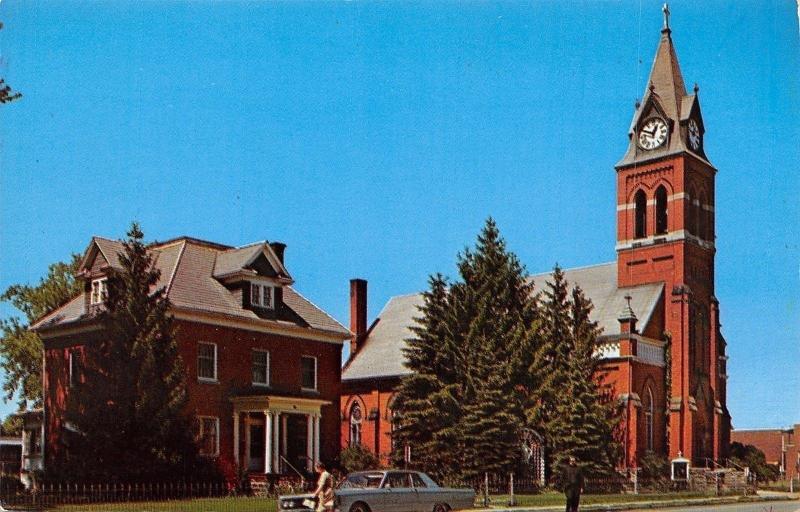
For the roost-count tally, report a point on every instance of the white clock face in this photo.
(653, 134)
(694, 135)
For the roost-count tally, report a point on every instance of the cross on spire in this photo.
(665, 10)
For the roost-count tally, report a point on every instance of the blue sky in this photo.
(375, 138)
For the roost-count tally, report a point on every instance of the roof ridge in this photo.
(175, 270)
(405, 295)
(245, 246)
(192, 240)
(582, 267)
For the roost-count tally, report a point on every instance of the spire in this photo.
(665, 97)
(627, 318)
(666, 80)
(627, 313)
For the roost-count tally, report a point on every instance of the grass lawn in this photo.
(197, 505)
(270, 505)
(557, 499)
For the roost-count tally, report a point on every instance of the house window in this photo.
(74, 367)
(262, 295)
(99, 291)
(34, 445)
(208, 435)
(308, 377)
(355, 424)
(261, 367)
(640, 209)
(661, 210)
(207, 361)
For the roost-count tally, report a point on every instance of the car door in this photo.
(398, 495)
(426, 497)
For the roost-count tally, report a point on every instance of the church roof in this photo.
(187, 267)
(381, 354)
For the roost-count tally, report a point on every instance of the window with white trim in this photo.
(308, 375)
(260, 367)
(99, 291)
(207, 438)
(355, 424)
(207, 361)
(262, 295)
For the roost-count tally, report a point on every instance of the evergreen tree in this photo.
(428, 399)
(462, 401)
(549, 364)
(585, 416)
(126, 415)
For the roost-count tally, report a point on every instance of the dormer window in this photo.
(99, 291)
(262, 295)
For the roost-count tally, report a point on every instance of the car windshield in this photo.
(362, 481)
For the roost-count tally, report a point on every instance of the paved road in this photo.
(771, 506)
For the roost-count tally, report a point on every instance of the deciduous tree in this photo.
(20, 348)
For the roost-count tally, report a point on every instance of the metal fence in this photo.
(94, 496)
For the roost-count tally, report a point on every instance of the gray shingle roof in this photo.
(381, 354)
(235, 259)
(187, 273)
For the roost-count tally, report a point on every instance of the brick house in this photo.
(779, 445)
(263, 363)
(657, 295)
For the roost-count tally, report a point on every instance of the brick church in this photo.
(661, 341)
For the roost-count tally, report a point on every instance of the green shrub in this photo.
(357, 458)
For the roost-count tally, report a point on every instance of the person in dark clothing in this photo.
(573, 484)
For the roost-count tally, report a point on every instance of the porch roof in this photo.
(278, 403)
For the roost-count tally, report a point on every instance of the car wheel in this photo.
(359, 507)
(440, 507)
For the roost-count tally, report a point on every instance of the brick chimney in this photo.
(279, 249)
(358, 313)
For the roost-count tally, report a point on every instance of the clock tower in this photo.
(665, 233)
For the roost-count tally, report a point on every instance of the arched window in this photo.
(355, 424)
(661, 210)
(640, 201)
(647, 406)
(701, 218)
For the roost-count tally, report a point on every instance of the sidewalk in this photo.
(684, 502)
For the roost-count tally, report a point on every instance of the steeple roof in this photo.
(666, 80)
(665, 97)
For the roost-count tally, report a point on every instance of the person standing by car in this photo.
(324, 492)
(572, 478)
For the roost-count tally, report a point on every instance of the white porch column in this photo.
(310, 443)
(247, 454)
(276, 461)
(316, 439)
(284, 435)
(236, 438)
(267, 442)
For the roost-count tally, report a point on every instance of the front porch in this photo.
(276, 435)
